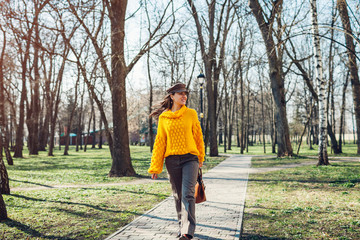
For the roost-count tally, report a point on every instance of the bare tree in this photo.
(209, 55)
(275, 72)
(79, 127)
(3, 124)
(342, 111)
(71, 111)
(151, 130)
(321, 83)
(55, 98)
(33, 108)
(354, 72)
(121, 165)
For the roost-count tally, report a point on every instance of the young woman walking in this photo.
(179, 139)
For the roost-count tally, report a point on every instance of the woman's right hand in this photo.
(154, 176)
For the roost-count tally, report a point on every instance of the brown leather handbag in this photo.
(200, 189)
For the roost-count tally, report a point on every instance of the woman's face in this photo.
(179, 98)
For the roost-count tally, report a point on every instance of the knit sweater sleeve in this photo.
(198, 137)
(157, 159)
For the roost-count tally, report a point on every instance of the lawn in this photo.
(349, 150)
(305, 202)
(86, 212)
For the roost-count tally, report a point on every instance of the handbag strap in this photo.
(199, 178)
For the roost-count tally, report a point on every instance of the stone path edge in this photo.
(240, 221)
(138, 218)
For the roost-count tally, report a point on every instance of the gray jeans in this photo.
(183, 171)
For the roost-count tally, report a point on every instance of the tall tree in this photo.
(55, 98)
(150, 121)
(71, 112)
(24, 55)
(3, 127)
(342, 111)
(275, 72)
(33, 109)
(209, 55)
(120, 151)
(354, 72)
(321, 84)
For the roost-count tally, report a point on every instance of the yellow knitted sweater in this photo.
(178, 133)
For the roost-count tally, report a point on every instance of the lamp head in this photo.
(201, 78)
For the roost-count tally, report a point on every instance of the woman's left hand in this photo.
(200, 164)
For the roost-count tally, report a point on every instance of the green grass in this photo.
(77, 168)
(306, 202)
(349, 150)
(261, 162)
(87, 212)
(77, 213)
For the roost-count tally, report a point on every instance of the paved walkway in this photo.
(220, 217)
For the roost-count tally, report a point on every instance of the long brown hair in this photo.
(165, 104)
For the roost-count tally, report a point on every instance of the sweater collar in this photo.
(176, 114)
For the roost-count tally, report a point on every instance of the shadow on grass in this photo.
(28, 230)
(34, 183)
(72, 203)
(94, 215)
(246, 236)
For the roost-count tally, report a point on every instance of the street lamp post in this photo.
(201, 79)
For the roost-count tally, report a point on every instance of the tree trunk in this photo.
(262, 115)
(273, 127)
(4, 178)
(100, 134)
(6, 140)
(19, 142)
(253, 132)
(354, 74)
(334, 144)
(151, 130)
(54, 104)
(306, 126)
(88, 128)
(353, 122)
(242, 115)
(121, 165)
(44, 132)
(3, 212)
(33, 115)
(330, 91)
(237, 126)
(79, 123)
(3, 122)
(248, 119)
(69, 123)
(94, 128)
(44, 129)
(321, 83)
(276, 78)
(225, 126)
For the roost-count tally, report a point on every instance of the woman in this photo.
(179, 139)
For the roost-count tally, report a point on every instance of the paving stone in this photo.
(219, 218)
